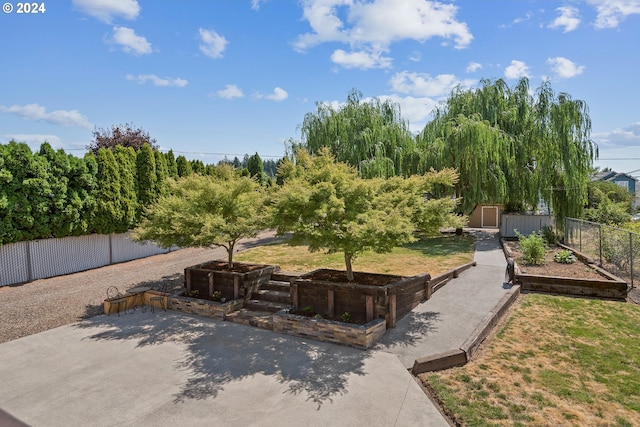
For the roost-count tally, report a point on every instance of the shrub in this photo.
(533, 248)
(346, 317)
(216, 295)
(549, 235)
(565, 257)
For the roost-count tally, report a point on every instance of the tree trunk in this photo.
(230, 254)
(347, 261)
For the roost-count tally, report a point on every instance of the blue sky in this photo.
(208, 78)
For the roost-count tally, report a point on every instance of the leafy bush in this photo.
(549, 235)
(565, 257)
(216, 295)
(533, 248)
(346, 317)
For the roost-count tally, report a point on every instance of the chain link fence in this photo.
(614, 249)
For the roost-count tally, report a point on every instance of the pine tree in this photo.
(171, 164)
(183, 166)
(129, 206)
(107, 214)
(146, 177)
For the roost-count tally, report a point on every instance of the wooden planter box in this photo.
(213, 276)
(136, 300)
(360, 336)
(605, 288)
(393, 298)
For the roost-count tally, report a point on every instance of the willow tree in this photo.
(325, 205)
(369, 135)
(512, 147)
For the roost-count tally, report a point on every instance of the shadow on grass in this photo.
(219, 353)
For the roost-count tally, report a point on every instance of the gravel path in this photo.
(48, 303)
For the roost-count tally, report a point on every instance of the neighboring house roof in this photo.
(611, 176)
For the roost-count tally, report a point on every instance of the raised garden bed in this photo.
(212, 276)
(579, 278)
(370, 296)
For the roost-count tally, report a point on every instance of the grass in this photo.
(429, 254)
(559, 361)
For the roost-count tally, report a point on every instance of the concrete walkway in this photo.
(168, 368)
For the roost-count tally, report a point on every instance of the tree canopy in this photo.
(327, 206)
(125, 135)
(205, 211)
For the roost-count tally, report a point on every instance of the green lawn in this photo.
(559, 361)
(429, 254)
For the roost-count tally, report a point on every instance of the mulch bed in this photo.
(340, 276)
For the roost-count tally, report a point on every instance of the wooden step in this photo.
(285, 276)
(270, 295)
(258, 319)
(270, 306)
(276, 285)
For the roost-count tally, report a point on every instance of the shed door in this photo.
(490, 216)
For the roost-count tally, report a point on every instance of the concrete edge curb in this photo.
(462, 355)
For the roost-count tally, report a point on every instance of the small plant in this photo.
(565, 257)
(549, 235)
(533, 248)
(346, 317)
(308, 310)
(216, 295)
(194, 293)
(318, 316)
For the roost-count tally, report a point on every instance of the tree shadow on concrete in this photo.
(410, 329)
(219, 353)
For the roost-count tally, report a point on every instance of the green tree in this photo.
(28, 193)
(107, 214)
(613, 191)
(82, 181)
(205, 211)
(126, 160)
(256, 168)
(327, 206)
(607, 211)
(162, 172)
(183, 166)
(125, 135)
(62, 214)
(146, 176)
(197, 166)
(171, 164)
(512, 147)
(370, 135)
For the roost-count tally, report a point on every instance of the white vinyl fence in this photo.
(525, 224)
(38, 259)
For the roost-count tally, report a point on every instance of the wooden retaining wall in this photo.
(232, 285)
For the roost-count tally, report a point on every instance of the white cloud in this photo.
(612, 12)
(619, 138)
(416, 110)
(569, 18)
(157, 81)
(565, 68)
(213, 44)
(277, 95)
(230, 92)
(473, 67)
(34, 139)
(415, 56)
(130, 41)
(59, 117)
(372, 27)
(516, 70)
(421, 84)
(255, 4)
(106, 10)
(360, 59)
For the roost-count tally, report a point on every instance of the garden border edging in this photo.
(460, 356)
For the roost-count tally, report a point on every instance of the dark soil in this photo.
(339, 276)
(224, 266)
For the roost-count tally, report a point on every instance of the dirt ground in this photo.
(577, 270)
(45, 304)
